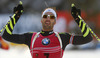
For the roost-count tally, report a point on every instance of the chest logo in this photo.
(46, 41)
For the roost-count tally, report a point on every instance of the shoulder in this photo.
(29, 33)
(64, 34)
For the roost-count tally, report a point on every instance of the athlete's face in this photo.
(48, 21)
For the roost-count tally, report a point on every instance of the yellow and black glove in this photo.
(75, 11)
(18, 9)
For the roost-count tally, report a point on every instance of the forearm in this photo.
(10, 26)
(85, 31)
(13, 20)
(86, 37)
(15, 38)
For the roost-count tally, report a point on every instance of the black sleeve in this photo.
(86, 37)
(65, 37)
(16, 38)
(75, 40)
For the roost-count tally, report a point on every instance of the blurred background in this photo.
(30, 21)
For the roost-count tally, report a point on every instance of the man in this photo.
(46, 43)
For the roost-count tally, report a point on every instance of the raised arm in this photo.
(7, 35)
(77, 40)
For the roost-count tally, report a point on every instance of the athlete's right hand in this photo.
(18, 9)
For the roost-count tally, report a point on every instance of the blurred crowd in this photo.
(31, 6)
(90, 12)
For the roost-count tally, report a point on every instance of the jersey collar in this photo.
(46, 33)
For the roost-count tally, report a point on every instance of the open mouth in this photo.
(47, 22)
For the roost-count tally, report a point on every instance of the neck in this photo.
(46, 33)
(47, 29)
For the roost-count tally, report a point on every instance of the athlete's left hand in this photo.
(75, 11)
(19, 8)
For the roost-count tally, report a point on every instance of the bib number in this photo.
(46, 54)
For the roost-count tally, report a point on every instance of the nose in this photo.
(48, 17)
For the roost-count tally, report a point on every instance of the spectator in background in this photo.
(62, 22)
(3, 44)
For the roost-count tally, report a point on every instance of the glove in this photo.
(18, 9)
(75, 12)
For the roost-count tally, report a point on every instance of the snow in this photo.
(23, 52)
